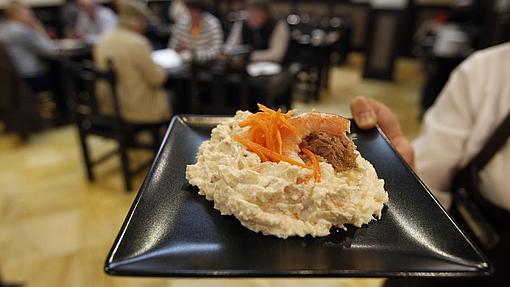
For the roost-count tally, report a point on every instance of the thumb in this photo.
(363, 113)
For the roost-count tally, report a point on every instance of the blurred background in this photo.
(87, 88)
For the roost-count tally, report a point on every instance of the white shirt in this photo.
(92, 29)
(473, 103)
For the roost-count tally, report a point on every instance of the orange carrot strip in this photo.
(256, 135)
(263, 157)
(253, 148)
(279, 111)
(274, 127)
(246, 123)
(289, 126)
(315, 164)
(265, 109)
(288, 114)
(252, 132)
(250, 121)
(279, 141)
(270, 154)
(254, 118)
(267, 134)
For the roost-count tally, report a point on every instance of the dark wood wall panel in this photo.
(356, 13)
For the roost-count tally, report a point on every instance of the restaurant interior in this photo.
(88, 89)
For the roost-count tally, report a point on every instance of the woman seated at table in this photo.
(139, 80)
(268, 37)
(197, 35)
(28, 44)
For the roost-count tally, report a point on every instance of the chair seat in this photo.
(106, 127)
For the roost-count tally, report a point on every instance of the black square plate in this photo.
(172, 231)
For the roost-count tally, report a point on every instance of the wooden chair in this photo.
(91, 121)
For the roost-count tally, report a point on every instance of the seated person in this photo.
(69, 17)
(197, 35)
(268, 37)
(472, 105)
(28, 44)
(140, 80)
(176, 10)
(94, 21)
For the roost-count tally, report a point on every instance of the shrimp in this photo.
(308, 123)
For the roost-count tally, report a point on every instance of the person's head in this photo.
(134, 15)
(88, 6)
(196, 8)
(259, 12)
(18, 10)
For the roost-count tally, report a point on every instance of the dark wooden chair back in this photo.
(91, 120)
(86, 101)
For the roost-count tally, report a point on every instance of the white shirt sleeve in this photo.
(234, 38)
(446, 129)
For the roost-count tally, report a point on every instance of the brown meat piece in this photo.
(338, 151)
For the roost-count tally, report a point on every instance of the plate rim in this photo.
(110, 267)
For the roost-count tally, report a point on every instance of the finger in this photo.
(390, 125)
(386, 119)
(363, 113)
(405, 149)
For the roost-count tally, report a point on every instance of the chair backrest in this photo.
(86, 101)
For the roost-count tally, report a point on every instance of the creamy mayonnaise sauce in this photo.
(272, 197)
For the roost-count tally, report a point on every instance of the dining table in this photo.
(185, 74)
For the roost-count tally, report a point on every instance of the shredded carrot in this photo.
(267, 133)
(272, 130)
(289, 126)
(247, 123)
(267, 129)
(279, 141)
(265, 109)
(260, 150)
(315, 164)
(257, 135)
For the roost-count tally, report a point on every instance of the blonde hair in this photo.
(132, 11)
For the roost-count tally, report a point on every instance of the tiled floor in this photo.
(56, 228)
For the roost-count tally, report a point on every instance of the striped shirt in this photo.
(206, 45)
